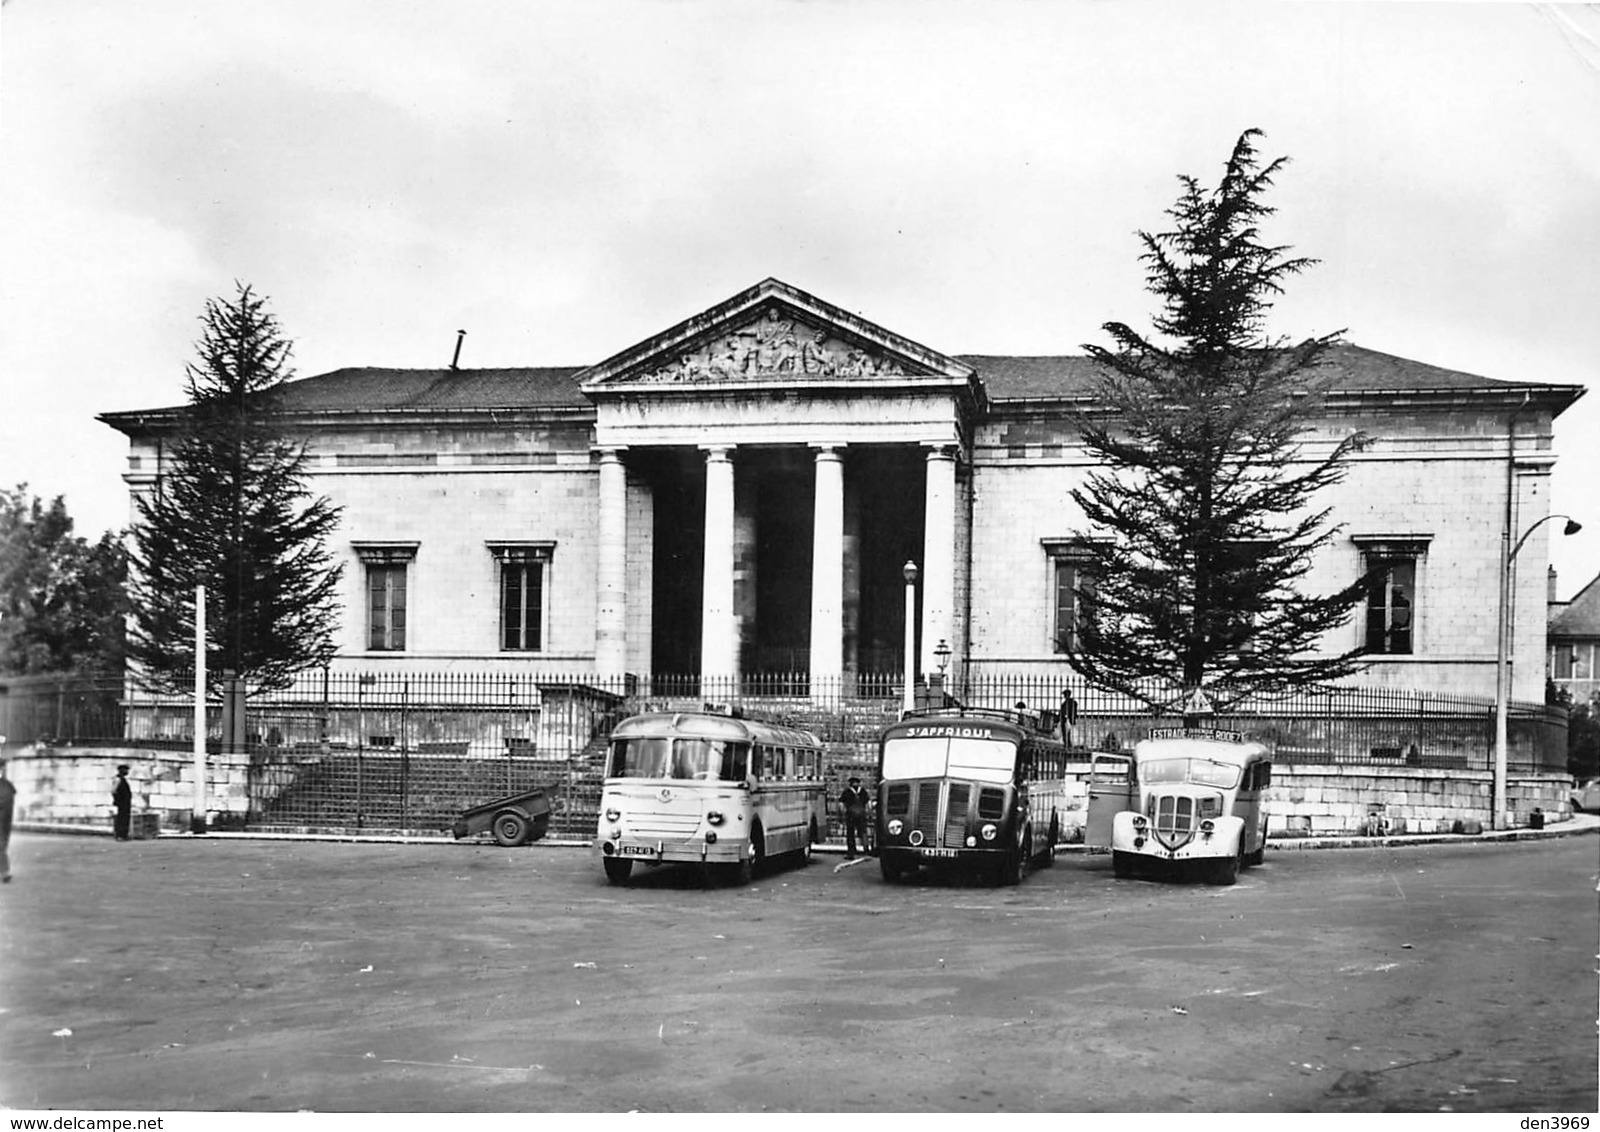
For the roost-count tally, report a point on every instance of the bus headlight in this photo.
(713, 817)
(971, 841)
(616, 834)
(1139, 821)
(988, 831)
(1207, 828)
(711, 837)
(613, 814)
(895, 826)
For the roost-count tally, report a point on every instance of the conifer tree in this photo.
(1201, 523)
(232, 512)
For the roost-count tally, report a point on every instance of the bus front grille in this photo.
(925, 816)
(955, 818)
(1173, 817)
(647, 824)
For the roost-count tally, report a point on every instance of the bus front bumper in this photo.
(1222, 842)
(726, 851)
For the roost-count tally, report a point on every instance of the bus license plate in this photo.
(636, 851)
(938, 852)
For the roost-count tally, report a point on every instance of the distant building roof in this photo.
(1580, 617)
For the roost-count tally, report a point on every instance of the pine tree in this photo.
(232, 512)
(1201, 523)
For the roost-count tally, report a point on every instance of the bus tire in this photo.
(1015, 863)
(1260, 854)
(511, 829)
(890, 870)
(1224, 871)
(1049, 857)
(808, 848)
(758, 851)
(618, 869)
(1121, 864)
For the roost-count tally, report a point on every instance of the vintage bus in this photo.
(1186, 799)
(975, 787)
(709, 789)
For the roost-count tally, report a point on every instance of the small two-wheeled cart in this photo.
(515, 819)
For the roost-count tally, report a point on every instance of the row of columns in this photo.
(719, 634)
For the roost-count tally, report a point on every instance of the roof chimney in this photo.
(1550, 586)
(460, 334)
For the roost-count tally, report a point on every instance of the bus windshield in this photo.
(680, 758)
(984, 760)
(1204, 772)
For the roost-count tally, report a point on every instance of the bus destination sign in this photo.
(1215, 733)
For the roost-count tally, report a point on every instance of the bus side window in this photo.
(1266, 775)
(758, 761)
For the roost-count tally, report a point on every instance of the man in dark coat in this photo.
(8, 798)
(854, 800)
(122, 797)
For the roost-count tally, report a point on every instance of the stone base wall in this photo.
(73, 785)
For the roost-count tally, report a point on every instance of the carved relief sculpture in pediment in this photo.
(774, 346)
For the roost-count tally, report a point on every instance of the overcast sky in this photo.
(563, 179)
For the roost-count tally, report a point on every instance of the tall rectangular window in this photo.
(386, 607)
(523, 589)
(521, 606)
(388, 584)
(1391, 606)
(1069, 581)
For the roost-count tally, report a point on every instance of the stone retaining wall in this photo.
(60, 784)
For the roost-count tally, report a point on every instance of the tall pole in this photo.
(1502, 680)
(197, 819)
(910, 574)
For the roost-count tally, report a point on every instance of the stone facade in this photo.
(738, 494)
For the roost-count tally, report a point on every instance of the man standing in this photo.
(122, 797)
(8, 798)
(854, 800)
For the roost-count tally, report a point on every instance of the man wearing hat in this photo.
(854, 800)
(122, 798)
(8, 797)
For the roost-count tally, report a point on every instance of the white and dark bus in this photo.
(710, 789)
(978, 788)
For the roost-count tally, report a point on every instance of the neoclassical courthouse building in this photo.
(739, 494)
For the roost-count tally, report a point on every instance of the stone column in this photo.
(719, 630)
(611, 614)
(827, 575)
(939, 555)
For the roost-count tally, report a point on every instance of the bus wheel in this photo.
(1049, 857)
(1015, 865)
(511, 829)
(1261, 850)
(1225, 871)
(1121, 865)
(891, 871)
(758, 858)
(618, 869)
(807, 849)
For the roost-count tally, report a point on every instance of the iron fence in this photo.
(391, 750)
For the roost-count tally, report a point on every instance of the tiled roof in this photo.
(1581, 616)
(368, 389)
(438, 389)
(1354, 369)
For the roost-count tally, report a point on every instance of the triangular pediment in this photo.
(773, 334)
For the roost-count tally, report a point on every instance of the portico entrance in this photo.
(787, 458)
(774, 548)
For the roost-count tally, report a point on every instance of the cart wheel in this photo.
(510, 829)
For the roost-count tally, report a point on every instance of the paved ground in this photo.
(232, 974)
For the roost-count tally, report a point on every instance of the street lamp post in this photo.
(941, 655)
(909, 573)
(1502, 668)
